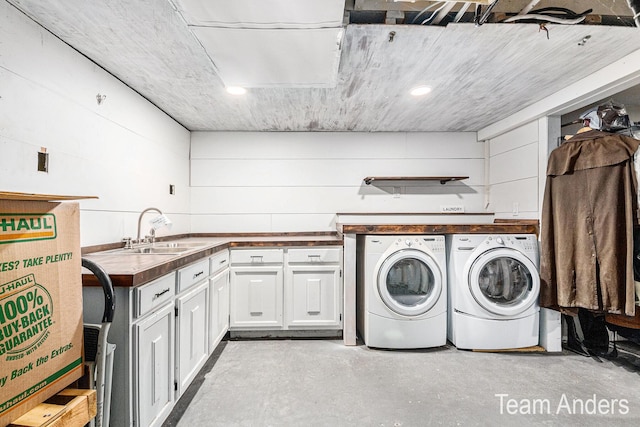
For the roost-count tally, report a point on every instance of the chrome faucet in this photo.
(153, 232)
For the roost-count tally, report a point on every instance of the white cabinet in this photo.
(165, 330)
(143, 331)
(192, 333)
(218, 299)
(256, 289)
(161, 332)
(192, 322)
(256, 298)
(286, 289)
(153, 351)
(153, 366)
(313, 297)
(313, 289)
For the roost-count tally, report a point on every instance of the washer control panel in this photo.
(435, 243)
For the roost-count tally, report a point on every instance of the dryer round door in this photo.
(504, 282)
(409, 282)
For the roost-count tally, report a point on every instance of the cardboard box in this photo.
(41, 346)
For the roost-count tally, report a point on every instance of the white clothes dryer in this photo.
(494, 284)
(402, 295)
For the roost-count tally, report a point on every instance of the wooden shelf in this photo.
(443, 179)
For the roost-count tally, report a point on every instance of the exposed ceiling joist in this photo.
(403, 11)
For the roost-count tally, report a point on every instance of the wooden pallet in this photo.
(69, 408)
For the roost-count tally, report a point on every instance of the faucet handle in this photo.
(127, 242)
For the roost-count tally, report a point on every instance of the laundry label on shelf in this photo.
(452, 209)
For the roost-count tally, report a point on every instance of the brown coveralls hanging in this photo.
(588, 215)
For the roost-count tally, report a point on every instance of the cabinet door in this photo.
(313, 296)
(219, 308)
(192, 334)
(256, 298)
(153, 365)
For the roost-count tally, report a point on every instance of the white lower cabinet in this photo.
(192, 322)
(313, 288)
(143, 330)
(313, 297)
(256, 298)
(218, 299)
(165, 330)
(154, 366)
(162, 335)
(256, 289)
(192, 334)
(286, 289)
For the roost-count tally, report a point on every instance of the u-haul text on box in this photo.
(40, 302)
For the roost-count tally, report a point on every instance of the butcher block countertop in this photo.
(500, 226)
(126, 269)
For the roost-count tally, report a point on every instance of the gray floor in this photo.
(324, 383)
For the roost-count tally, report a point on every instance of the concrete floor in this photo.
(324, 383)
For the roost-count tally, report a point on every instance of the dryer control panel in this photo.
(527, 243)
(435, 243)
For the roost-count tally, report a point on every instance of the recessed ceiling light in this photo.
(420, 90)
(236, 90)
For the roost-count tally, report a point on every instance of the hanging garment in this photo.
(588, 213)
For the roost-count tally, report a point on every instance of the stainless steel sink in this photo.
(152, 250)
(159, 248)
(155, 250)
(178, 244)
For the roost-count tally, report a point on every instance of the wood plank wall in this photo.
(125, 150)
(273, 181)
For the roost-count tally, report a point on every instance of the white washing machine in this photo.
(402, 295)
(494, 285)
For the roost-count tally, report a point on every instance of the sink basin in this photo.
(159, 248)
(147, 250)
(156, 250)
(178, 244)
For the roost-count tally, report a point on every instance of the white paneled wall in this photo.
(261, 182)
(125, 150)
(514, 167)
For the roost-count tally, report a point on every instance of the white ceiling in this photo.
(269, 43)
(262, 14)
(479, 74)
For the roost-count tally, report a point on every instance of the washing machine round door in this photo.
(504, 282)
(409, 282)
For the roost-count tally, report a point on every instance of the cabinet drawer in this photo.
(257, 256)
(315, 255)
(154, 294)
(219, 261)
(193, 274)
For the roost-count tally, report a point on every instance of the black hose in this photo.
(107, 287)
(481, 19)
(561, 12)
